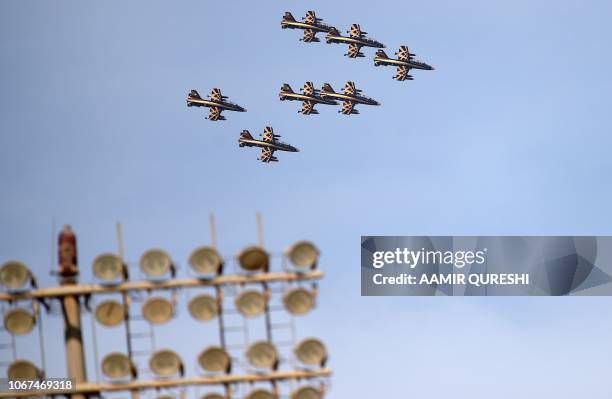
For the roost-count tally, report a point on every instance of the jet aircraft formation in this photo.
(308, 95)
(355, 40)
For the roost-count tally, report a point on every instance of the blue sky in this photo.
(509, 135)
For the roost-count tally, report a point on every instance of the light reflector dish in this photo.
(262, 354)
(306, 392)
(311, 351)
(110, 313)
(261, 394)
(19, 321)
(14, 275)
(165, 363)
(253, 258)
(157, 310)
(203, 307)
(116, 365)
(303, 254)
(214, 359)
(155, 263)
(23, 370)
(251, 303)
(108, 267)
(298, 301)
(205, 260)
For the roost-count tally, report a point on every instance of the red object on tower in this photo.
(67, 253)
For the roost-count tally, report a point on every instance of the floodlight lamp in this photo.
(157, 310)
(306, 392)
(110, 313)
(19, 321)
(165, 363)
(116, 365)
(298, 301)
(311, 351)
(303, 255)
(261, 394)
(203, 307)
(155, 263)
(213, 396)
(251, 303)
(23, 370)
(205, 261)
(14, 275)
(262, 354)
(254, 258)
(214, 359)
(109, 268)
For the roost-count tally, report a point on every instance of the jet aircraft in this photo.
(216, 102)
(268, 144)
(355, 40)
(405, 62)
(310, 24)
(309, 97)
(350, 96)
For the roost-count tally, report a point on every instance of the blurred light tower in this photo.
(262, 359)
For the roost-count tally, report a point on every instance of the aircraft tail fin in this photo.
(286, 88)
(381, 53)
(288, 17)
(333, 32)
(327, 87)
(246, 135)
(194, 94)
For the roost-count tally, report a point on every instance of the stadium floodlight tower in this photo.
(254, 287)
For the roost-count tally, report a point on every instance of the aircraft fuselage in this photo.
(305, 97)
(277, 146)
(412, 64)
(350, 97)
(304, 25)
(201, 102)
(354, 40)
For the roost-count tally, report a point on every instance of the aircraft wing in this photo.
(347, 107)
(214, 114)
(402, 73)
(308, 108)
(268, 135)
(215, 95)
(353, 50)
(310, 18)
(266, 154)
(404, 54)
(309, 89)
(356, 32)
(309, 36)
(349, 88)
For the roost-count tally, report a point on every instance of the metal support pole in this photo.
(135, 394)
(71, 309)
(260, 236)
(213, 231)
